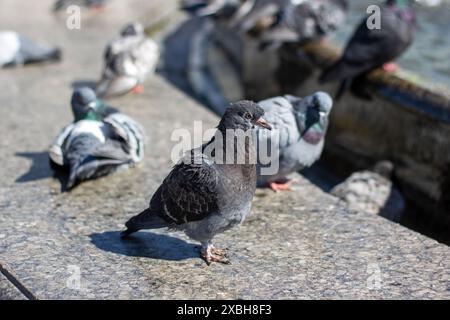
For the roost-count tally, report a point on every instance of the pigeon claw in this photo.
(212, 254)
(276, 186)
(138, 89)
(390, 67)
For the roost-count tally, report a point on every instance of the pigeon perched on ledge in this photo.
(372, 191)
(297, 139)
(372, 48)
(100, 141)
(204, 195)
(129, 60)
(17, 50)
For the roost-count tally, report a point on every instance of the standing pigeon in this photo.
(92, 4)
(297, 140)
(297, 21)
(16, 50)
(129, 60)
(372, 191)
(203, 194)
(371, 48)
(100, 141)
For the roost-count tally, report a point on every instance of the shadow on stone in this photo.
(84, 83)
(40, 167)
(145, 244)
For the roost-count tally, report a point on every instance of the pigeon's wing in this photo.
(56, 150)
(189, 193)
(31, 52)
(130, 133)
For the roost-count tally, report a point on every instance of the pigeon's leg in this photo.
(211, 254)
(218, 252)
(390, 67)
(138, 89)
(280, 185)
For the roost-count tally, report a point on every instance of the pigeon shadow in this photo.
(40, 166)
(146, 245)
(84, 83)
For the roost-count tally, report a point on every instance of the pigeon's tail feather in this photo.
(147, 219)
(333, 73)
(55, 55)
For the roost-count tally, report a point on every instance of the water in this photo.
(429, 55)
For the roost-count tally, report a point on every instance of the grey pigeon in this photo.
(92, 4)
(17, 50)
(100, 141)
(129, 60)
(372, 191)
(371, 48)
(204, 195)
(297, 139)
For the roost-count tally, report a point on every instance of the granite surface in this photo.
(299, 244)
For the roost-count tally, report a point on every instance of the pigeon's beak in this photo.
(263, 123)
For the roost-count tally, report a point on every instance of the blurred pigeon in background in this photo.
(205, 197)
(16, 50)
(92, 4)
(371, 48)
(100, 141)
(281, 21)
(372, 191)
(297, 139)
(129, 60)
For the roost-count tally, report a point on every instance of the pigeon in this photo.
(372, 191)
(299, 21)
(371, 48)
(17, 50)
(297, 139)
(129, 60)
(208, 191)
(91, 4)
(100, 141)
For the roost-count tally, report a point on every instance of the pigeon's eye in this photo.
(248, 115)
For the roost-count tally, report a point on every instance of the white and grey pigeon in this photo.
(372, 191)
(204, 195)
(91, 4)
(129, 59)
(100, 141)
(17, 50)
(282, 21)
(297, 139)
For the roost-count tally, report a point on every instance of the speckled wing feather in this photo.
(189, 193)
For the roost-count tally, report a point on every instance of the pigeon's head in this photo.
(84, 104)
(132, 29)
(312, 114)
(243, 115)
